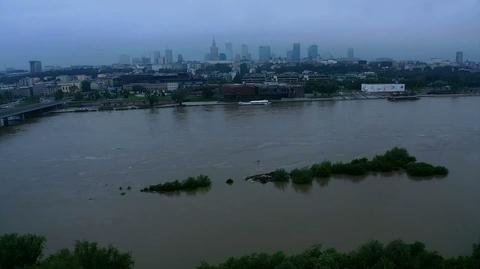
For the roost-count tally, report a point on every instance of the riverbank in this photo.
(354, 97)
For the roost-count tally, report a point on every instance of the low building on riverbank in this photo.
(383, 88)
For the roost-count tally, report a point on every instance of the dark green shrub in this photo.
(420, 169)
(190, 183)
(19, 251)
(280, 175)
(301, 176)
(441, 171)
(323, 169)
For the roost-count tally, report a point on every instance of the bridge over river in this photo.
(22, 111)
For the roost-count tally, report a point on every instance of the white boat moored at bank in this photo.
(255, 102)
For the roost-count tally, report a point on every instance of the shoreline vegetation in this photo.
(373, 254)
(94, 107)
(189, 184)
(26, 252)
(394, 160)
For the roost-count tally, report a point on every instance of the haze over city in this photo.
(95, 32)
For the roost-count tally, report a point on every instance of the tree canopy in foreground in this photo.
(372, 255)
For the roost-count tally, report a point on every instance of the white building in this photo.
(383, 88)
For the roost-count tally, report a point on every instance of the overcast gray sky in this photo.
(66, 32)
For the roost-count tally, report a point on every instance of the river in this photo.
(60, 177)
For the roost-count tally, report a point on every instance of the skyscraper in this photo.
(296, 56)
(156, 57)
(244, 52)
(313, 52)
(168, 56)
(350, 53)
(35, 67)
(264, 54)
(459, 58)
(229, 51)
(214, 51)
(180, 58)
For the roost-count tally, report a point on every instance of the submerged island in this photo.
(396, 159)
(189, 184)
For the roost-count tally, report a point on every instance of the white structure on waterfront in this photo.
(379, 88)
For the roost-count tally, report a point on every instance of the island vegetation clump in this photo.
(396, 159)
(421, 169)
(394, 255)
(301, 176)
(189, 184)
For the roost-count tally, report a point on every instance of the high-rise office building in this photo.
(214, 51)
(124, 59)
(296, 55)
(313, 52)
(459, 58)
(168, 56)
(229, 51)
(35, 67)
(146, 60)
(222, 56)
(156, 57)
(180, 58)
(244, 52)
(350, 53)
(289, 56)
(264, 54)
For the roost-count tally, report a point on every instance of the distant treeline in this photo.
(396, 159)
(372, 255)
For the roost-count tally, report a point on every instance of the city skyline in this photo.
(398, 29)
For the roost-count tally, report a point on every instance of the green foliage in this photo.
(323, 87)
(189, 184)
(18, 251)
(59, 95)
(151, 98)
(357, 167)
(87, 255)
(61, 260)
(372, 255)
(392, 160)
(179, 96)
(207, 93)
(323, 169)
(421, 169)
(301, 176)
(31, 100)
(280, 175)
(91, 256)
(85, 86)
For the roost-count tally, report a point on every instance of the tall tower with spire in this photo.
(214, 51)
